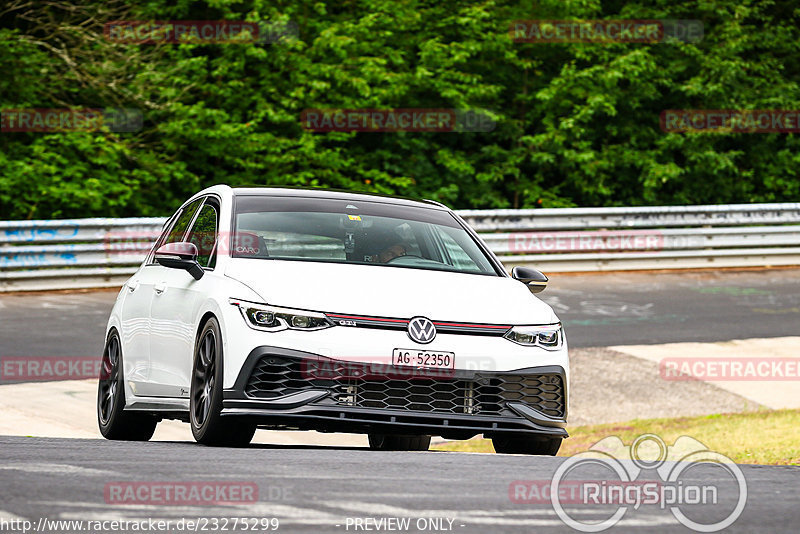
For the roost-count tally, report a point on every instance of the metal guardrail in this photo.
(73, 253)
(80, 253)
(636, 217)
(660, 237)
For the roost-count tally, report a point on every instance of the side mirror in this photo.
(181, 255)
(534, 279)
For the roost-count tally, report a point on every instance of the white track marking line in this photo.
(256, 509)
(381, 509)
(490, 517)
(57, 469)
(297, 515)
(633, 521)
(281, 511)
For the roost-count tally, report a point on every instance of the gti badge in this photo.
(421, 330)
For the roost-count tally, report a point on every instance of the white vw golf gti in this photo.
(337, 312)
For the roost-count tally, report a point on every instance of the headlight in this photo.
(548, 336)
(274, 319)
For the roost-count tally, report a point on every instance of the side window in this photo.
(204, 235)
(182, 222)
(162, 237)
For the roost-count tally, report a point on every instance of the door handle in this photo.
(132, 286)
(159, 288)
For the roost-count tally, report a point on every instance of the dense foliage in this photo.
(577, 124)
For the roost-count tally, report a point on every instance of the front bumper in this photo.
(287, 389)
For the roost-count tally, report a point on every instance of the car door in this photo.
(135, 327)
(135, 320)
(136, 315)
(177, 297)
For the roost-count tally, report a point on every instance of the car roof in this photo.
(307, 192)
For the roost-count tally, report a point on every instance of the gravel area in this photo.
(609, 387)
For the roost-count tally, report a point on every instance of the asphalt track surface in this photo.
(597, 310)
(315, 489)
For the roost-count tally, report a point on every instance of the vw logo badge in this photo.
(421, 330)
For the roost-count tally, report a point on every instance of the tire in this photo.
(205, 400)
(114, 422)
(526, 445)
(397, 442)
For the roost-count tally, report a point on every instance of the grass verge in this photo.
(768, 437)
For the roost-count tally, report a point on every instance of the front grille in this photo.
(360, 385)
(276, 377)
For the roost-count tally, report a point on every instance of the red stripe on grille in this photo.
(405, 321)
(378, 319)
(462, 325)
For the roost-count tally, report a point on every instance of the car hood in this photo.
(391, 291)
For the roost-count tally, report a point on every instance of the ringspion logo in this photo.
(702, 489)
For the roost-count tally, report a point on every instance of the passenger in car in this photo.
(388, 254)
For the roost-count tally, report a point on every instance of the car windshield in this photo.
(354, 232)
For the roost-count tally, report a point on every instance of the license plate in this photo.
(429, 359)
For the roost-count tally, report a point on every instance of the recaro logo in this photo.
(421, 330)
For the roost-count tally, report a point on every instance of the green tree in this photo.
(576, 124)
